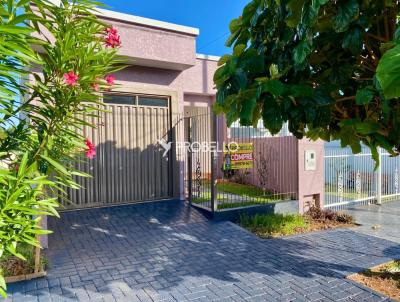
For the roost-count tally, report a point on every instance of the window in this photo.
(119, 99)
(152, 101)
(125, 99)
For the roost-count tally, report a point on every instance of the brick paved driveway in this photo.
(379, 220)
(167, 252)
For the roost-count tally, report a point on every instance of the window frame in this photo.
(136, 97)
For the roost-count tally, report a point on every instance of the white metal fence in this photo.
(352, 179)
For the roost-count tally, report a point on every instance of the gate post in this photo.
(214, 201)
(190, 161)
(379, 179)
(214, 157)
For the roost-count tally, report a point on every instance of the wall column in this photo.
(311, 186)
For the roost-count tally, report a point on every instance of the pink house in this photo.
(164, 77)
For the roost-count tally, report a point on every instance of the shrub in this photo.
(344, 218)
(274, 224)
(321, 214)
(317, 213)
(394, 267)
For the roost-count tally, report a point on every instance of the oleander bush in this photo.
(68, 56)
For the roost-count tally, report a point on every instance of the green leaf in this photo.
(3, 286)
(81, 174)
(231, 39)
(239, 49)
(40, 232)
(224, 59)
(367, 127)
(274, 71)
(375, 156)
(248, 103)
(347, 12)
(12, 29)
(355, 147)
(12, 249)
(275, 87)
(396, 37)
(302, 90)
(301, 52)
(271, 115)
(388, 73)
(60, 168)
(295, 8)
(22, 165)
(364, 96)
(353, 40)
(235, 25)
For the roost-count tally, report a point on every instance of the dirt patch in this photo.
(319, 225)
(319, 219)
(382, 279)
(13, 266)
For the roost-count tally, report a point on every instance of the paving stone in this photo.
(120, 254)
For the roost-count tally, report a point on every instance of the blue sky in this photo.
(212, 17)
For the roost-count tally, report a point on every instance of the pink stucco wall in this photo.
(199, 78)
(197, 100)
(191, 82)
(311, 183)
(156, 47)
(281, 154)
(282, 170)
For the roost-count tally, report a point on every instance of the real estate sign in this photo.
(238, 156)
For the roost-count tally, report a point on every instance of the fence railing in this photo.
(271, 172)
(352, 179)
(263, 170)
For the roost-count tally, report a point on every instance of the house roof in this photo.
(207, 57)
(105, 13)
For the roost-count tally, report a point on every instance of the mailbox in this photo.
(310, 160)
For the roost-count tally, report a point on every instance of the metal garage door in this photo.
(129, 165)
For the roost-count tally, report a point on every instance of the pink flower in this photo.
(112, 38)
(110, 79)
(112, 30)
(91, 150)
(70, 78)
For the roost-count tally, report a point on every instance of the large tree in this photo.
(329, 68)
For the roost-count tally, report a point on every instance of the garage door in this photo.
(129, 165)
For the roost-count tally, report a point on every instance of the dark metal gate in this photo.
(201, 131)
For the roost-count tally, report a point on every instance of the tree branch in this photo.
(347, 98)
